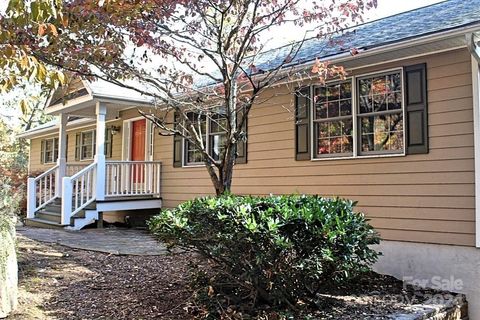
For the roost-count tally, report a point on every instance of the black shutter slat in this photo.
(302, 124)
(177, 145)
(242, 145)
(416, 109)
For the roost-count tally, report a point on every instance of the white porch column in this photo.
(62, 154)
(101, 112)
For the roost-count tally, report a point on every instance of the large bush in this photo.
(284, 248)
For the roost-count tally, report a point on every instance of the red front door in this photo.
(138, 147)
(138, 140)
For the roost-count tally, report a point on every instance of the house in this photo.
(409, 154)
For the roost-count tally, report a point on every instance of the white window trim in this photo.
(93, 145)
(186, 164)
(356, 153)
(53, 151)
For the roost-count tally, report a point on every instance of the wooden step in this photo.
(53, 207)
(57, 207)
(40, 223)
(49, 215)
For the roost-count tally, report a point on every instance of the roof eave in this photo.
(53, 128)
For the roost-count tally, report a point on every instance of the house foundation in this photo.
(450, 268)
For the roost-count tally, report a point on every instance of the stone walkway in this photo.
(114, 241)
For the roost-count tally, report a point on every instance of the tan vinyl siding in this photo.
(35, 162)
(35, 148)
(419, 198)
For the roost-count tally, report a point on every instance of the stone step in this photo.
(40, 223)
(49, 215)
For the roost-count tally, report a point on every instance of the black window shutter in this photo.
(42, 152)
(108, 143)
(55, 149)
(242, 145)
(177, 145)
(77, 146)
(416, 109)
(66, 149)
(302, 124)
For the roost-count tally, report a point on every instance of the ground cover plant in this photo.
(279, 251)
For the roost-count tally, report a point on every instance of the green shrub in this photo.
(282, 248)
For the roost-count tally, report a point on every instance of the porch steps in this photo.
(51, 217)
(41, 223)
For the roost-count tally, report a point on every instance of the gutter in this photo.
(473, 46)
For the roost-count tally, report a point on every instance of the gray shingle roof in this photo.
(424, 21)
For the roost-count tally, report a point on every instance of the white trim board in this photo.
(129, 205)
(476, 138)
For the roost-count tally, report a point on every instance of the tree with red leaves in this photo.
(202, 60)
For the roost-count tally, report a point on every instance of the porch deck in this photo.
(79, 196)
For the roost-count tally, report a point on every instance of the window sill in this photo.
(373, 156)
(193, 165)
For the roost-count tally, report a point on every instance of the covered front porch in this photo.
(74, 194)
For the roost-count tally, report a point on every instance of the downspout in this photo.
(475, 53)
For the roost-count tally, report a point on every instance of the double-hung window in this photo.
(49, 152)
(333, 121)
(361, 122)
(86, 142)
(87, 145)
(212, 129)
(380, 114)
(218, 135)
(193, 152)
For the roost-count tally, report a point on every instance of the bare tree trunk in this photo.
(231, 148)
(217, 182)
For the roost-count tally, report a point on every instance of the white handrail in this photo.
(41, 191)
(78, 192)
(132, 178)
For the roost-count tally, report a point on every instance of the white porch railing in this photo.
(78, 191)
(41, 191)
(122, 179)
(132, 178)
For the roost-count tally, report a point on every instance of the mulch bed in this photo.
(78, 284)
(74, 284)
